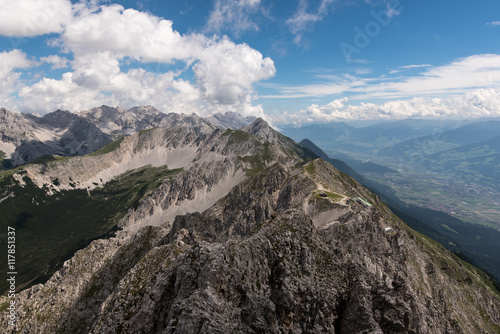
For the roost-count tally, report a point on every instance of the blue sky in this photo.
(295, 61)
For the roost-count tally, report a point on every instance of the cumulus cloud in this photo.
(12, 60)
(104, 40)
(226, 71)
(327, 113)
(475, 104)
(130, 33)
(97, 79)
(26, 18)
(56, 61)
(50, 94)
(134, 87)
(9, 78)
(235, 14)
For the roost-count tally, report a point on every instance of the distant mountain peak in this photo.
(230, 120)
(259, 128)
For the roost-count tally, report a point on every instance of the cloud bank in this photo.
(115, 53)
(475, 104)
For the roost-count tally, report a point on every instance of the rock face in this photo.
(25, 137)
(283, 245)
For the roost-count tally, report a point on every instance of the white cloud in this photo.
(416, 66)
(12, 60)
(330, 85)
(104, 39)
(9, 78)
(235, 14)
(97, 79)
(50, 94)
(56, 61)
(363, 71)
(303, 19)
(392, 11)
(478, 103)
(408, 67)
(135, 87)
(493, 24)
(458, 77)
(327, 113)
(130, 33)
(26, 18)
(227, 71)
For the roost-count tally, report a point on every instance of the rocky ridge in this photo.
(26, 137)
(120, 121)
(287, 248)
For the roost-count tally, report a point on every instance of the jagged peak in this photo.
(6, 111)
(59, 118)
(110, 108)
(60, 112)
(149, 109)
(230, 120)
(104, 109)
(258, 127)
(261, 130)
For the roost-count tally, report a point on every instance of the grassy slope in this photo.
(49, 229)
(108, 148)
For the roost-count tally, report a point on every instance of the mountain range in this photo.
(26, 137)
(340, 137)
(187, 227)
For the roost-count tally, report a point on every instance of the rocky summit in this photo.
(251, 234)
